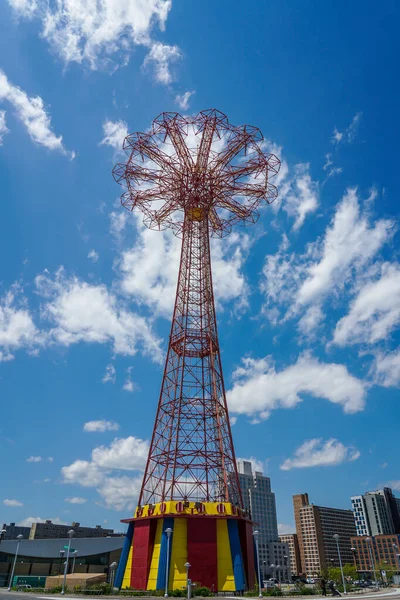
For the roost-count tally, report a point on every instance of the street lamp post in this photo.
(70, 535)
(286, 568)
(273, 572)
(256, 533)
(188, 583)
(336, 538)
(113, 566)
(264, 570)
(278, 569)
(168, 532)
(19, 538)
(75, 552)
(354, 551)
(62, 554)
(369, 542)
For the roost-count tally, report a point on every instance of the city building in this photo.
(12, 530)
(49, 530)
(315, 528)
(42, 558)
(383, 548)
(259, 501)
(376, 513)
(294, 552)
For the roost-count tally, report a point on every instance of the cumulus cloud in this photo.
(299, 194)
(3, 126)
(102, 471)
(34, 459)
(303, 282)
(76, 500)
(114, 134)
(259, 389)
(29, 520)
(375, 312)
(149, 270)
(283, 528)
(14, 503)
(101, 426)
(160, 58)
(17, 329)
(317, 453)
(32, 114)
(183, 100)
(82, 312)
(387, 369)
(93, 32)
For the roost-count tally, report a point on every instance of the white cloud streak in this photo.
(317, 453)
(114, 133)
(34, 459)
(17, 329)
(160, 58)
(31, 112)
(3, 126)
(110, 374)
(76, 500)
(259, 389)
(13, 503)
(100, 426)
(183, 100)
(387, 369)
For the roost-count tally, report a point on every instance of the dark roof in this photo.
(51, 548)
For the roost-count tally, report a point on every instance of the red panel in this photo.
(202, 551)
(246, 543)
(143, 540)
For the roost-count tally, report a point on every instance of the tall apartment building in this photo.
(384, 549)
(294, 551)
(376, 513)
(48, 530)
(259, 501)
(315, 527)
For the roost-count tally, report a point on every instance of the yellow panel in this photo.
(177, 571)
(126, 582)
(226, 579)
(155, 559)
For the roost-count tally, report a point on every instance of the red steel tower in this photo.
(198, 176)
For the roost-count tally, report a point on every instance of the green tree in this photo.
(384, 566)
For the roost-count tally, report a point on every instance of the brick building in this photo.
(384, 550)
(294, 552)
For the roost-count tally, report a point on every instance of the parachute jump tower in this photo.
(199, 176)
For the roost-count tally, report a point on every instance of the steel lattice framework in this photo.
(198, 176)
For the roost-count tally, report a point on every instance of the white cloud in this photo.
(160, 58)
(330, 168)
(118, 222)
(295, 282)
(183, 100)
(110, 374)
(395, 485)
(375, 312)
(123, 454)
(120, 493)
(31, 112)
(129, 385)
(3, 127)
(29, 520)
(82, 312)
(349, 134)
(149, 270)
(34, 459)
(92, 31)
(299, 195)
(76, 500)
(93, 255)
(284, 528)
(8, 502)
(114, 134)
(17, 329)
(50, 459)
(317, 453)
(259, 389)
(101, 426)
(387, 369)
(310, 320)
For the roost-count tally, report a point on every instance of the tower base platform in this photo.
(215, 538)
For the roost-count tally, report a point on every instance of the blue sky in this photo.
(308, 299)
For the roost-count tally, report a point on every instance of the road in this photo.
(390, 594)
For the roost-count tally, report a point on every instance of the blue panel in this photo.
(162, 565)
(124, 557)
(237, 558)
